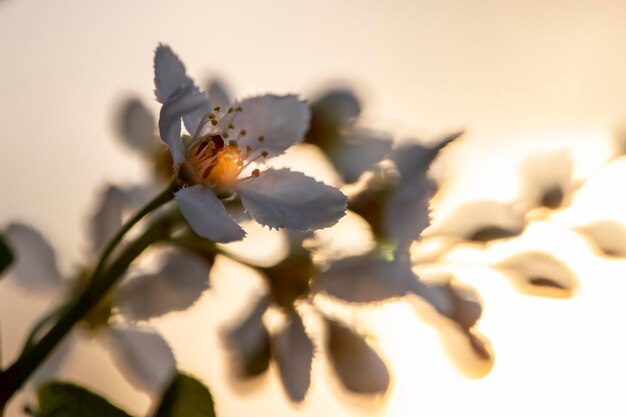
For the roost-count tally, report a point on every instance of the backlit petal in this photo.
(207, 216)
(249, 341)
(283, 198)
(107, 217)
(136, 126)
(169, 73)
(36, 264)
(408, 212)
(142, 355)
(358, 152)
(179, 282)
(281, 121)
(218, 93)
(293, 351)
(187, 102)
(413, 160)
(357, 365)
(365, 279)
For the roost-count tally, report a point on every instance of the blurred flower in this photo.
(395, 204)
(225, 143)
(143, 355)
(352, 149)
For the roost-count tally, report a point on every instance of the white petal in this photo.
(283, 198)
(179, 283)
(481, 221)
(609, 236)
(357, 365)
(335, 109)
(186, 102)
(218, 93)
(249, 341)
(407, 213)
(169, 77)
(459, 303)
(293, 351)
(358, 152)
(142, 355)
(136, 126)
(36, 264)
(365, 279)
(107, 218)
(193, 118)
(539, 273)
(207, 216)
(281, 120)
(415, 159)
(169, 73)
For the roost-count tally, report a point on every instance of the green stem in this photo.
(102, 281)
(157, 202)
(40, 325)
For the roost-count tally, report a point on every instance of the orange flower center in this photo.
(216, 163)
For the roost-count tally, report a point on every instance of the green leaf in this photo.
(186, 397)
(6, 255)
(60, 399)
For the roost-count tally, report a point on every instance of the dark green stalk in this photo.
(101, 282)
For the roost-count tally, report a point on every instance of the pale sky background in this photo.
(517, 75)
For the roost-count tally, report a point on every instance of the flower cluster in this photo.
(214, 156)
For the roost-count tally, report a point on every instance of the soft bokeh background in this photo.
(519, 76)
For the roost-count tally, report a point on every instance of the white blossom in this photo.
(224, 151)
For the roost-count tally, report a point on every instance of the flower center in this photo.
(214, 162)
(215, 158)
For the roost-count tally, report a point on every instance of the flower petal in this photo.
(357, 365)
(136, 126)
(408, 212)
(460, 303)
(334, 110)
(179, 282)
(293, 352)
(283, 198)
(107, 218)
(358, 152)
(609, 236)
(218, 93)
(282, 121)
(540, 274)
(481, 221)
(249, 341)
(415, 159)
(169, 77)
(142, 355)
(207, 216)
(36, 263)
(169, 73)
(188, 102)
(365, 279)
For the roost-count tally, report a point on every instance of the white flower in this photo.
(222, 155)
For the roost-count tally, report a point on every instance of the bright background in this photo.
(517, 75)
